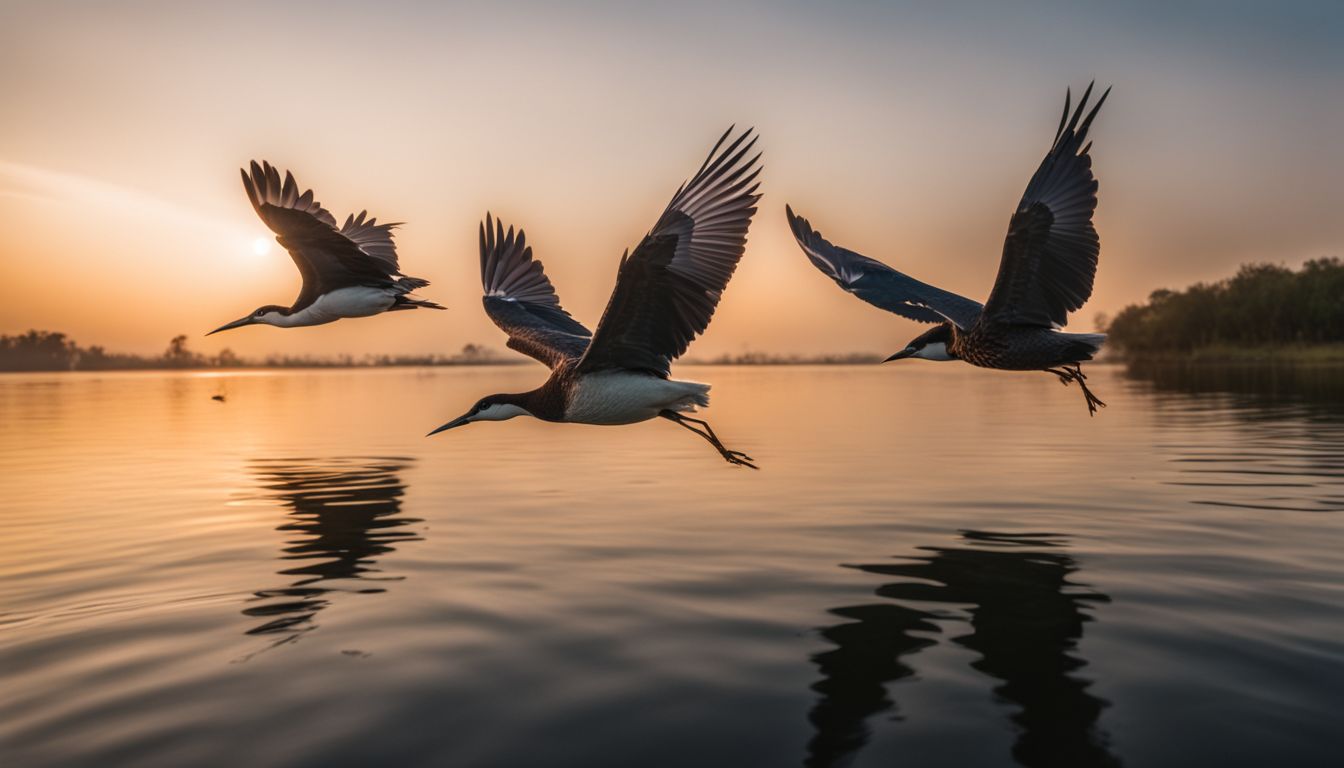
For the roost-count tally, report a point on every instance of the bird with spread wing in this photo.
(347, 271)
(666, 292)
(1046, 271)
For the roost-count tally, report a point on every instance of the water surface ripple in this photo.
(936, 566)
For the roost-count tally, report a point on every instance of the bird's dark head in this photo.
(268, 314)
(933, 344)
(491, 408)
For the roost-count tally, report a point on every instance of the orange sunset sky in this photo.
(906, 132)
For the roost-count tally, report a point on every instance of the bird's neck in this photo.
(954, 345)
(545, 402)
(287, 319)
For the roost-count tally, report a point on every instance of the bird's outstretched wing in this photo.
(880, 285)
(373, 239)
(520, 299)
(1050, 254)
(358, 253)
(667, 290)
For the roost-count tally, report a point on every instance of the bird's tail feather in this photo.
(407, 302)
(1087, 345)
(694, 394)
(408, 284)
(404, 285)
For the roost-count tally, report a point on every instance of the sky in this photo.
(904, 131)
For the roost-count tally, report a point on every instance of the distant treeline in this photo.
(51, 351)
(1263, 306)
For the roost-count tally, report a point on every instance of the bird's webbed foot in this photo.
(1093, 402)
(737, 457)
(1075, 374)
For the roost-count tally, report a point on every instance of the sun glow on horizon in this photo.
(120, 188)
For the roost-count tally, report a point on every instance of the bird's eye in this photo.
(259, 312)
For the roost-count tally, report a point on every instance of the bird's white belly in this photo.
(345, 302)
(622, 397)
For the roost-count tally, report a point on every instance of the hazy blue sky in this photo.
(905, 131)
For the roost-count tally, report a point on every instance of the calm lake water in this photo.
(936, 566)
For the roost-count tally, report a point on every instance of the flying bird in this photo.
(348, 271)
(666, 292)
(1048, 264)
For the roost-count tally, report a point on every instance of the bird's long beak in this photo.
(908, 351)
(235, 324)
(459, 421)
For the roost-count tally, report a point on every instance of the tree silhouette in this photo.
(178, 356)
(37, 351)
(1262, 305)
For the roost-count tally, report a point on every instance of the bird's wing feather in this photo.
(667, 290)
(1050, 255)
(328, 258)
(374, 239)
(520, 299)
(879, 284)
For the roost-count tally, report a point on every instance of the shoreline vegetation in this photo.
(37, 351)
(1265, 314)
(54, 351)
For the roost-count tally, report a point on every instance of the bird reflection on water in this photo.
(1025, 618)
(343, 513)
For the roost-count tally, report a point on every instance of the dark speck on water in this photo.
(936, 566)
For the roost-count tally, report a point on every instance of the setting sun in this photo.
(261, 246)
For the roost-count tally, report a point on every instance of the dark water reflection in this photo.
(343, 514)
(1287, 422)
(1318, 386)
(1026, 618)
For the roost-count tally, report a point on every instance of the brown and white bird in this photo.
(666, 292)
(1048, 264)
(348, 271)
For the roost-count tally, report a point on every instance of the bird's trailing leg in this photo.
(732, 457)
(1075, 374)
(1065, 377)
(1092, 400)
